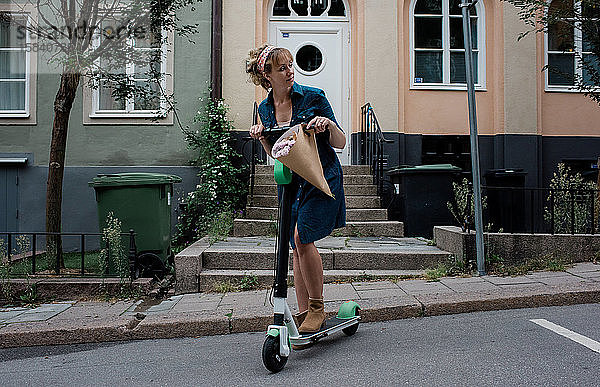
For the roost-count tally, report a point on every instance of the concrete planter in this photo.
(515, 248)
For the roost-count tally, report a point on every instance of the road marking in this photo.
(576, 337)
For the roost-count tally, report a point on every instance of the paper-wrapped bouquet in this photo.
(297, 150)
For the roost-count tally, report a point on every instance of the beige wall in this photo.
(238, 39)
(520, 86)
(446, 111)
(381, 49)
(566, 113)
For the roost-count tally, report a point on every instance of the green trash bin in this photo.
(142, 202)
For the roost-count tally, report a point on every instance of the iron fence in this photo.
(33, 253)
(538, 210)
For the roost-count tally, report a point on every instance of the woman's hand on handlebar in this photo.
(319, 124)
(256, 132)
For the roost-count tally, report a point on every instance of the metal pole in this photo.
(466, 14)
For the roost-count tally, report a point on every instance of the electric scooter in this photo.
(284, 332)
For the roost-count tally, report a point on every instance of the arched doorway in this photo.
(317, 33)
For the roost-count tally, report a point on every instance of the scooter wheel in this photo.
(352, 328)
(270, 355)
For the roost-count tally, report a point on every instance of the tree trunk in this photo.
(63, 103)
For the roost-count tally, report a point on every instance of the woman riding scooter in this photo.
(314, 214)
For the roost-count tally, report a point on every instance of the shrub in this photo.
(221, 191)
(572, 209)
(463, 208)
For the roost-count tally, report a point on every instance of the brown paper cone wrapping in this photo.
(303, 158)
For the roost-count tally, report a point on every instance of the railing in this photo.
(33, 253)
(256, 155)
(540, 210)
(371, 145)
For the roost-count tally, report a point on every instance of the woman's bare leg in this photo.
(301, 293)
(311, 267)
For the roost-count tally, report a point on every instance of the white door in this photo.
(321, 59)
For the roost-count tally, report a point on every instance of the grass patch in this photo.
(440, 271)
(249, 282)
(46, 264)
(496, 265)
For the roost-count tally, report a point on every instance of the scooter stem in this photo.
(283, 245)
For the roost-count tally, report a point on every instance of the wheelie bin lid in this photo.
(505, 172)
(429, 168)
(132, 178)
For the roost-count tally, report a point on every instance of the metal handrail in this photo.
(372, 141)
(255, 155)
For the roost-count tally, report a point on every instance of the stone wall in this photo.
(513, 248)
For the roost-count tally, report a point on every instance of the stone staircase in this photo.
(369, 247)
(364, 215)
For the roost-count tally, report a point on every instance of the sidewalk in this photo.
(201, 314)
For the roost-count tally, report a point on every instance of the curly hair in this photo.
(278, 56)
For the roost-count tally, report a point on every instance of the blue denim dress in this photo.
(315, 214)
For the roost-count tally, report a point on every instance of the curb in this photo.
(211, 323)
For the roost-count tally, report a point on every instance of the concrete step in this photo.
(351, 201)
(266, 179)
(347, 169)
(352, 214)
(349, 190)
(213, 280)
(258, 227)
(338, 253)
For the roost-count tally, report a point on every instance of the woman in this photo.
(314, 214)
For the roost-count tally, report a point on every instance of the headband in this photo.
(262, 58)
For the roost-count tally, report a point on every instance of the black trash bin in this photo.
(424, 191)
(506, 199)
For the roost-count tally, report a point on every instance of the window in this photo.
(14, 65)
(147, 99)
(569, 53)
(437, 45)
(309, 8)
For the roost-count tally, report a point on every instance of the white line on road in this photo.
(576, 337)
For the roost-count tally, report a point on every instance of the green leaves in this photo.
(221, 192)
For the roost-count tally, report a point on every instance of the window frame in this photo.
(92, 98)
(295, 17)
(25, 116)
(446, 50)
(577, 51)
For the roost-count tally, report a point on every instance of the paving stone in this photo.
(381, 293)
(584, 267)
(564, 280)
(548, 274)
(246, 299)
(339, 292)
(7, 315)
(375, 285)
(509, 280)
(593, 275)
(469, 284)
(31, 317)
(415, 287)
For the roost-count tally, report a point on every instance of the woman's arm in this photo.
(337, 138)
(256, 133)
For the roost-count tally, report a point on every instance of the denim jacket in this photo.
(307, 102)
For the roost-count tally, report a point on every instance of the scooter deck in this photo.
(330, 326)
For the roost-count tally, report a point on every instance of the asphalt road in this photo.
(487, 348)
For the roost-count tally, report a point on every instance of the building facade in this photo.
(105, 135)
(406, 58)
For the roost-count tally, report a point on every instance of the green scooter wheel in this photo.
(272, 360)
